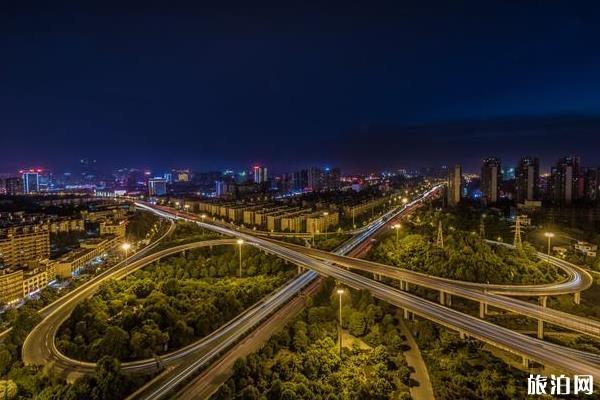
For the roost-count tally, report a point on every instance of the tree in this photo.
(8, 390)
(6, 361)
(109, 382)
(115, 343)
(357, 324)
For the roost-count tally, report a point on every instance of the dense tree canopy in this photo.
(303, 361)
(465, 255)
(169, 304)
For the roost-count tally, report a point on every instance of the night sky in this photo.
(380, 85)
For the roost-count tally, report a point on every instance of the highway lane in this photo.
(482, 293)
(159, 387)
(563, 358)
(40, 346)
(420, 306)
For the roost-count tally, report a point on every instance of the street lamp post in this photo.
(397, 227)
(125, 247)
(549, 235)
(325, 214)
(202, 218)
(240, 242)
(340, 292)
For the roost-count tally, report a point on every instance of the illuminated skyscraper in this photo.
(31, 181)
(528, 179)
(454, 185)
(157, 186)
(491, 176)
(260, 174)
(566, 180)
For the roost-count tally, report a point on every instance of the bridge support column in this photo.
(525, 362)
(401, 285)
(577, 298)
(462, 335)
(406, 314)
(540, 328)
(442, 295)
(448, 299)
(482, 307)
(299, 270)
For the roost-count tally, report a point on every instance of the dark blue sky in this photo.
(385, 84)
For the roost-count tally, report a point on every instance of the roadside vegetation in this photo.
(303, 362)
(170, 303)
(465, 255)
(461, 369)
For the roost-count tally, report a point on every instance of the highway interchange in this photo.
(39, 346)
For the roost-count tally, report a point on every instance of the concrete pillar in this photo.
(577, 298)
(299, 270)
(405, 313)
(540, 328)
(401, 285)
(485, 306)
(462, 335)
(525, 362)
(441, 297)
(482, 310)
(448, 299)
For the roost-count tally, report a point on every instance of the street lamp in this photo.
(404, 200)
(125, 247)
(340, 292)
(325, 214)
(187, 208)
(202, 218)
(397, 227)
(549, 235)
(240, 242)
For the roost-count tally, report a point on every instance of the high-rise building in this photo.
(491, 176)
(591, 191)
(300, 179)
(260, 174)
(31, 181)
(528, 179)
(21, 245)
(566, 180)
(13, 186)
(157, 186)
(222, 188)
(454, 185)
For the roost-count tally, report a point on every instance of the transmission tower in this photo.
(440, 236)
(520, 221)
